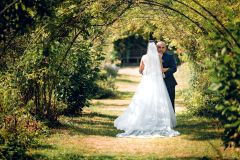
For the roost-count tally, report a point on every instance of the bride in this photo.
(150, 113)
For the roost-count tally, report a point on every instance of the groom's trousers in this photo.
(171, 92)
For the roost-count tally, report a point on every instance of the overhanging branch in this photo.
(204, 31)
(218, 21)
(8, 6)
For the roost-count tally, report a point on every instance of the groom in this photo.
(169, 67)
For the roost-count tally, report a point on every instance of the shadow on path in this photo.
(92, 123)
(197, 128)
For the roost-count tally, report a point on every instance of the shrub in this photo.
(105, 86)
(199, 99)
(77, 80)
(111, 70)
(226, 81)
(18, 129)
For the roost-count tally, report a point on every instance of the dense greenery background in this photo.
(52, 56)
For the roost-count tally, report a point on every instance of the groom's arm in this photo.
(173, 66)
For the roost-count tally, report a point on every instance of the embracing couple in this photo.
(151, 112)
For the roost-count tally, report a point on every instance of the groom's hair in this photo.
(161, 42)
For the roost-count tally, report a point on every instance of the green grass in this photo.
(124, 95)
(199, 139)
(127, 79)
(92, 136)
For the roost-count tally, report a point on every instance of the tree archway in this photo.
(44, 47)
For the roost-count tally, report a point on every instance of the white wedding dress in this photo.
(150, 113)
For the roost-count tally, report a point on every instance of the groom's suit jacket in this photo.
(169, 61)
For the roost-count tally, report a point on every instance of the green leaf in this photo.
(227, 59)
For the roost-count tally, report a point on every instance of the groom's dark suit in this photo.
(169, 61)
